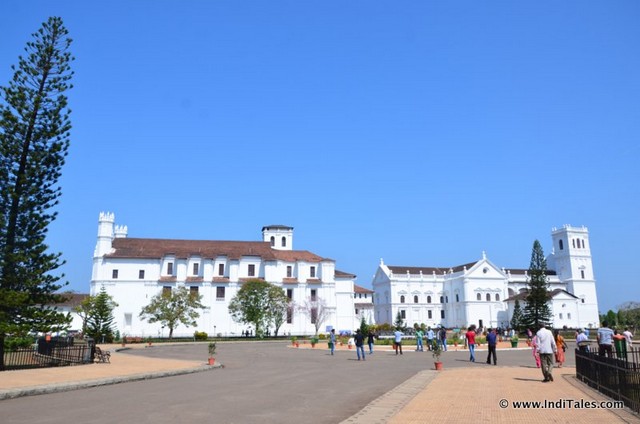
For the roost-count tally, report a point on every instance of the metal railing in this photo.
(49, 354)
(617, 376)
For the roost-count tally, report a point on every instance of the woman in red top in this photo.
(471, 342)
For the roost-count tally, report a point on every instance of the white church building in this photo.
(133, 270)
(484, 294)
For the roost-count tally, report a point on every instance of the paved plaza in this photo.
(273, 382)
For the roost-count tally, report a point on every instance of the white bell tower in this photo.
(280, 236)
(571, 259)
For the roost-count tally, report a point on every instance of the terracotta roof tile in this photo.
(358, 289)
(341, 274)
(289, 280)
(220, 280)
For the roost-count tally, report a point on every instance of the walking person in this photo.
(370, 341)
(546, 348)
(582, 341)
(534, 350)
(492, 341)
(332, 340)
(628, 336)
(442, 335)
(471, 342)
(359, 340)
(562, 347)
(397, 341)
(419, 336)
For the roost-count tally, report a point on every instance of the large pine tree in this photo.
(537, 311)
(34, 138)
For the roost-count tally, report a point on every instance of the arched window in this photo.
(401, 299)
(284, 241)
(273, 241)
(441, 299)
(488, 297)
(446, 299)
(428, 299)
(457, 298)
(479, 296)
(497, 297)
(415, 299)
(561, 244)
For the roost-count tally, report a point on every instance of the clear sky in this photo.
(423, 133)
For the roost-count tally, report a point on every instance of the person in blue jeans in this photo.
(370, 341)
(419, 336)
(359, 339)
(332, 340)
(471, 342)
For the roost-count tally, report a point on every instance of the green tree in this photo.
(517, 317)
(34, 139)
(611, 318)
(83, 310)
(172, 308)
(99, 318)
(250, 305)
(278, 307)
(399, 323)
(364, 328)
(537, 311)
(629, 313)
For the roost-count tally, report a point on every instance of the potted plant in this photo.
(294, 341)
(212, 351)
(314, 341)
(437, 351)
(514, 341)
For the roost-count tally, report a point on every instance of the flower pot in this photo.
(514, 343)
(297, 344)
(212, 361)
(438, 366)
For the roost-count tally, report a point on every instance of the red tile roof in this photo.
(358, 289)
(127, 248)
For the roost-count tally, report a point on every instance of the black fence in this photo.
(56, 352)
(616, 376)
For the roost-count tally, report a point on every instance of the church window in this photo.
(220, 293)
(196, 268)
(497, 297)
(573, 242)
(441, 299)
(141, 274)
(561, 245)
(252, 270)
(221, 269)
(428, 299)
(478, 296)
(128, 318)
(415, 299)
(273, 241)
(488, 297)
(582, 300)
(166, 291)
(193, 291)
(169, 268)
(284, 241)
(312, 272)
(314, 293)
(568, 316)
(582, 273)
(429, 314)
(446, 299)
(289, 271)
(114, 274)
(401, 299)
(560, 315)
(457, 297)
(442, 314)
(403, 314)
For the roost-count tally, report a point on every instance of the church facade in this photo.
(133, 270)
(484, 294)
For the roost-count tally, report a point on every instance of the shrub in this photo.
(200, 335)
(322, 336)
(13, 343)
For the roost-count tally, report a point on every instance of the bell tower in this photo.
(572, 261)
(280, 236)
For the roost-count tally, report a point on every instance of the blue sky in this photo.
(419, 132)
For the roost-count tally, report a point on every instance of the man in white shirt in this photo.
(629, 336)
(397, 343)
(546, 348)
